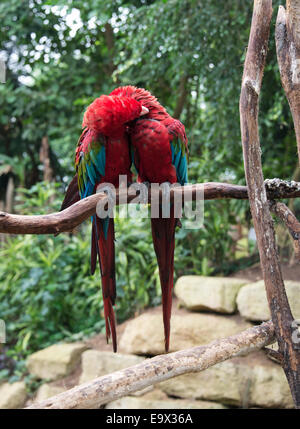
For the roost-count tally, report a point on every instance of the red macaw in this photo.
(160, 154)
(102, 155)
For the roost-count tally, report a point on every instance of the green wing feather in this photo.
(90, 162)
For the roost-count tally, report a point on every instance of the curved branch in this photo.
(151, 371)
(69, 218)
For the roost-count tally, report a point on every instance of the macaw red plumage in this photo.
(160, 152)
(102, 155)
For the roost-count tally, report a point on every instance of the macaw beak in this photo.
(144, 111)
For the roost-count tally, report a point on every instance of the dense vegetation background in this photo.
(60, 55)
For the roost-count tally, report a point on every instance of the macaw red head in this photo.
(109, 114)
(143, 96)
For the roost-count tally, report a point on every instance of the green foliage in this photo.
(201, 251)
(60, 55)
(46, 291)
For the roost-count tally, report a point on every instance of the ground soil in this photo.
(289, 272)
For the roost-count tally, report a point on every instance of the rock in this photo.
(96, 363)
(55, 361)
(144, 334)
(154, 394)
(12, 395)
(270, 388)
(251, 381)
(253, 305)
(129, 402)
(47, 390)
(224, 382)
(216, 294)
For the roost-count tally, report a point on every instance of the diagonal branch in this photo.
(290, 221)
(113, 386)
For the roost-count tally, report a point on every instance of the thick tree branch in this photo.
(263, 224)
(113, 386)
(68, 219)
(293, 14)
(288, 55)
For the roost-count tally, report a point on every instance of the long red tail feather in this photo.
(94, 248)
(106, 253)
(163, 234)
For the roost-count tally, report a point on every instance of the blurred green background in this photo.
(60, 55)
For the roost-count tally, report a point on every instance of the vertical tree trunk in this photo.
(9, 197)
(263, 224)
(45, 160)
(288, 55)
(183, 92)
(110, 42)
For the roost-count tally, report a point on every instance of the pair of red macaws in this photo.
(129, 126)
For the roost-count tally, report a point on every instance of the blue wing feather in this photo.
(179, 160)
(100, 164)
(91, 169)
